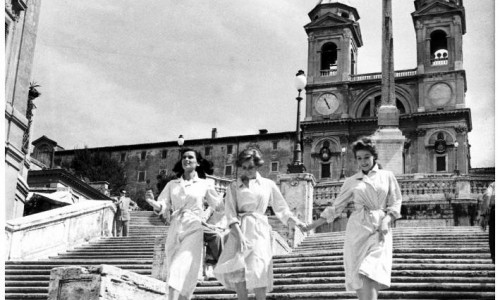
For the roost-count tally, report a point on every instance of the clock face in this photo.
(326, 104)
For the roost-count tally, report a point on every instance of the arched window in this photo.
(439, 48)
(371, 107)
(344, 15)
(329, 59)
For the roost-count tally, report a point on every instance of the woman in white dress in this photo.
(368, 238)
(184, 196)
(245, 264)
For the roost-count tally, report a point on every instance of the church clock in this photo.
(326, 104)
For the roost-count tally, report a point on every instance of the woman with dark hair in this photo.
(246, 261)
(184, 196)
(368, 238)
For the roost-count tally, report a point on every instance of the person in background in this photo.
(122, 217)
(181, 202)
(487, 216)
(245, 264)
(368, 238)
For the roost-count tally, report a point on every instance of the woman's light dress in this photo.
(184, 245)
(366, 251)
(247, 206)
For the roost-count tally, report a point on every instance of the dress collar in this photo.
(258, 179)
(360, 173)
(181, 179)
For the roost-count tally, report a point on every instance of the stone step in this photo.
(47, 272)
(410, 273)
(452, 287)
(389, 295)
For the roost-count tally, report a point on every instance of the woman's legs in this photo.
(369, 291)
(241, 290)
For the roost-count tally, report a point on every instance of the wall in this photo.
(41, 235)
(21, 20)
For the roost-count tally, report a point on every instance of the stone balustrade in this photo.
(377, 76)
(421, 188)
(221, 184)
(47, 233)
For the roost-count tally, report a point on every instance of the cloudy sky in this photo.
(127, 72)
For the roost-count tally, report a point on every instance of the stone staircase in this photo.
(429, 263)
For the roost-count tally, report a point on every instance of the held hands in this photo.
(302, 226)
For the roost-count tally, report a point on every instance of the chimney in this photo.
(214, 133)
(262, 131)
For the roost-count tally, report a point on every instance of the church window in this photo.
(275, 145)
(344, 15)
(325, 170)
(441, 163)
(207, 151)
(229, 149)
(123, 156)
(141, 176)
(228, 170)
(164, 154)
(353, 63)
(439, 48)
(274, 166)
(329, 59)
(143, 155)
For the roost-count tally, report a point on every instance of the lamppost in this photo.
(457, 172)
(342, 176)
(297, 166)
(180, 142)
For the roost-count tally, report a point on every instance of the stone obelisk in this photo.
(388, 138)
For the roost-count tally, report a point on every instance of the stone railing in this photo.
(326, 73)
(220, 183)
(421, 188)
(326, 192)
(47, 233)
(374, 76)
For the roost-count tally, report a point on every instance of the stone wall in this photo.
(47, 233)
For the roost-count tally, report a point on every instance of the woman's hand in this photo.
(384, 225)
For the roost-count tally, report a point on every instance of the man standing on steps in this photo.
(487, 216)
(122, 216)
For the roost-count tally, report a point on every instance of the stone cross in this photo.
(388, 115)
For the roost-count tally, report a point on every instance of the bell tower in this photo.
(334, 37)
(439, 27)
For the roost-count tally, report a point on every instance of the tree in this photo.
(98, 166)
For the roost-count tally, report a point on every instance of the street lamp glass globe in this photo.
(343, 149)
(300, 80)
(456, 144)
(180, 140)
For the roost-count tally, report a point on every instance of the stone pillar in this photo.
(159, 270)
(388, 139)
(103, 282)
(389, 143)
(298, 191)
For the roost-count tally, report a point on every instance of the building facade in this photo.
(21, 22)
(342, 105)
(144, 162)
